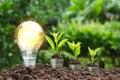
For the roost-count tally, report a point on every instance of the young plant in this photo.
(75, 49)
(93, 53)
(55, 43)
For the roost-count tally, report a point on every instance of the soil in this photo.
(45, 72)
(75, 62)
(93, 65)
(56, 56)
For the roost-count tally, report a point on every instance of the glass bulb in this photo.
(29, 36)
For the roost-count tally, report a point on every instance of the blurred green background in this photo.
(96, 23)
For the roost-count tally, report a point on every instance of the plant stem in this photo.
(76, 57)
(92, 59)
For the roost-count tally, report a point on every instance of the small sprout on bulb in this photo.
(29, 36)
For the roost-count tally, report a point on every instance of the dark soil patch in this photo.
(93, 65)
(45, 72)
(56, 56)
(75, 62)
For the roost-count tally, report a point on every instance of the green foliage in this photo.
(9, 51)
(55, 43)
(75, 48)
(44, 11)
(93, 53)
(101, 10)
(50, 42)
(84, 9)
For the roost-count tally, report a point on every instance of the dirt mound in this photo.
(45, 72)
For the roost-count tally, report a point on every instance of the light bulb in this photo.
(29, 36)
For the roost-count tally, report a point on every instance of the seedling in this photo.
(93, 53)
(75, 48)
(55, 43)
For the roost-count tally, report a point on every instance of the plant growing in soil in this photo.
(75, 49)
(93, 53)
(93, 66)
(75, 63)
(55, 43)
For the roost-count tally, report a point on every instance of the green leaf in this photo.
(92, 54)
(97, 50)
(62, 42)
(97, 7)
(91, 51)
(77, 49)
(78, 44)
(55, 35)
(50, 42)
(71, 45)
(60, 35)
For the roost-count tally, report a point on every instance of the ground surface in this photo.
(45, 72)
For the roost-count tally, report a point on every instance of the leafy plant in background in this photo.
(75, 49)
(44, 11)
(101, 10)
(111, 9)
(55, 43)
(84, 9)
(93, 54)
(9, 52)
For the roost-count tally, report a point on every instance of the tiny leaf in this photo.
(55, 35)
(62, 42)
(91, 51)
(60, 35)
(77, 49)
(50, 42)
(96, 50)
(71, 45)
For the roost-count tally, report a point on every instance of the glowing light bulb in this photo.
(29, 36)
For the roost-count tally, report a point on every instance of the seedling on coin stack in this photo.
(93, 66)
(55, 43)
(75, 63)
